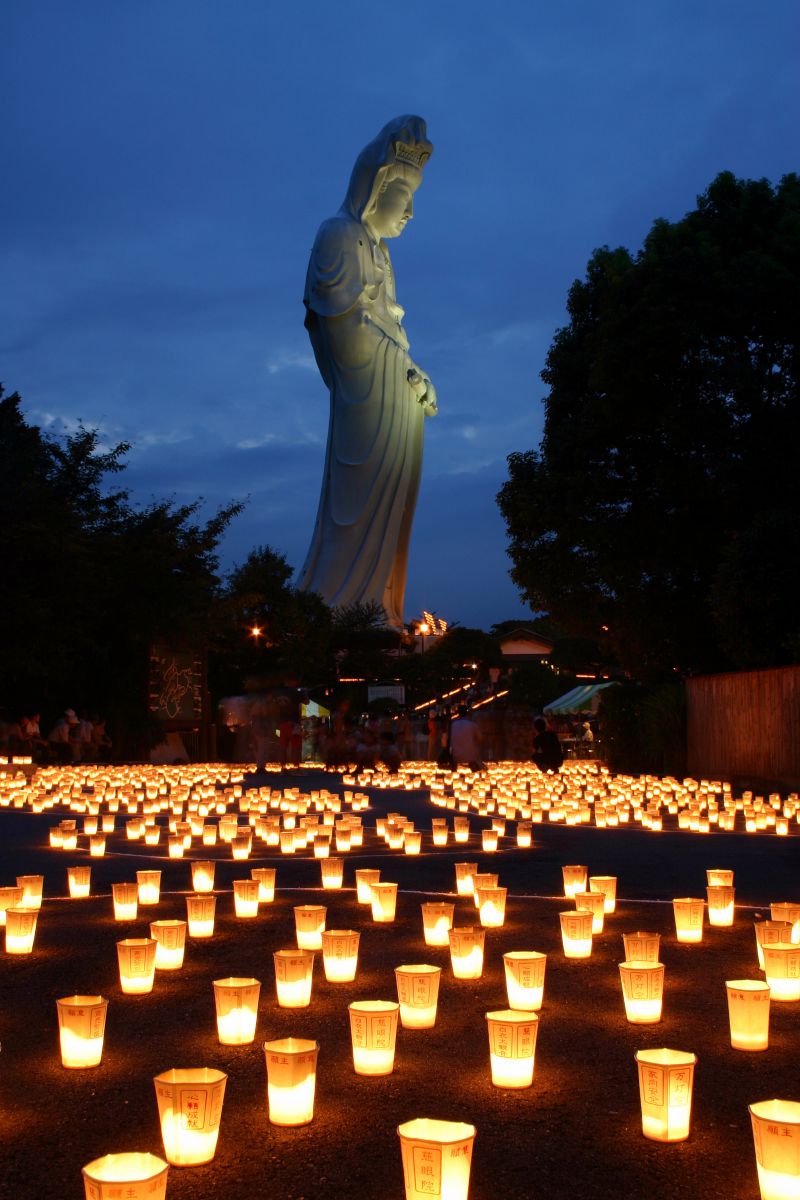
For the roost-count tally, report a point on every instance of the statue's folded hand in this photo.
(428, 399)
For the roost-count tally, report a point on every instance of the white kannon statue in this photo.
(379, 396)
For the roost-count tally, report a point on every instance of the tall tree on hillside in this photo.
(662, 507)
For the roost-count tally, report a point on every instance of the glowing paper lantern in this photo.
(481, 880)
(175, 846)
(720, 905)
(373, 1033)
(641, 946)
(492, 906)
(748, 1013)
(10, 897)
(20, 930)
(436, 1158)
(607, 884)
(461, 829)
(576, 933)
(489, 840)
(265, 877)
(776, 1134)
(466, 952)
(81, 1026)
(340, 954)
(291, 1080)
(642, 991)
(594, 902)
(384, 902)
(688, 912)
(134, 1175)
(32, 888)
(236, 1003)
(437, 921)
(309, 923)
(365, 879)
(781, 967)
(97, 845)
(779, 912)
(245, 898)
(149, 886)
(512, 1047)
(190, 1110)
(332, 873)
(464, 877)
(170, 940)
(418, 993)
(665, 1092)
(524, 971)
(293, 977)
(717, 877)
(574, 880)
(524, 834)
(412, 842)
(203, 876)
(771, 931)
(137, 965)
(200, 913)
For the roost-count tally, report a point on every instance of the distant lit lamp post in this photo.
(422, 629)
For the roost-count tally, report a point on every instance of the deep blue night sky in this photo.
(166, 165)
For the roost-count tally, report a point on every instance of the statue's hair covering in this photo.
(375, 160)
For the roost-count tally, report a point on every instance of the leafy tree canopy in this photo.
(661, 509)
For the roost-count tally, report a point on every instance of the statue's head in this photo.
(387, 173)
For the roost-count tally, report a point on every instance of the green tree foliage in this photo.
(661, 510)
(88, 581)
(294, 628)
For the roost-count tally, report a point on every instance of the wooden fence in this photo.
(745, 725)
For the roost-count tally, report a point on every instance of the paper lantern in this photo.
(190, 1109)
(134, 1175)
(464, 877)
(200, 913)
(176, 846)
(293, 977)
(481, 880)
(781, 967)
(412, 843)
(489, 840)
(642, 990)
(81, 1026)
(717, 877)
(309, 923)
(291, 1080)
(492, 906)
(776, 1134)
(32, 889)
(332, 873)
(203, 876)
(209, 835)
(779, 912)
(322, 846)
(340, 954)
(245, 898)
(461, 830)
(418, 993)
(97, 845)
(771, 931)
(641, 946)
(720, 905)
(436, 1158)
(236, 1003)
(152, 835)
(748, 1013)
(149, 883)
(20, 930)
(688, 913)
(574, 880)
(524, 972)
(170, 940)
(524, 834)
(594, 902)
(137, 965)
(512, 1047)
(10, 897)
(365, 878)
(265, 877)
(373, 1033)
(384, 902)
(439, 831)
(437, 921)
(576, 933)
(466, 952)
(665, 1092)
(607, 884)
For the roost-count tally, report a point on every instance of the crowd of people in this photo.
(73, 738)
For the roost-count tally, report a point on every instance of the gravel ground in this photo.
(576, 1132)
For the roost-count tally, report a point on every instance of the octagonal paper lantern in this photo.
(594, 902)
(340, 954)
(332, 873)
(437, 1156)
(466, 952)
(665, 1092)
(782, 969)
(309, 923)
(149, 886)
(748, 1013)
(465, 872)
(776, 1134)
(418, 993)
(642, 990)
(576, 933)
(203, 876)
(492, 906)
(771, 931)
(265, 877)
(10, 897)
(720, 905)
(365, 878)
(607, 884)
(373, 1033)
(688, 912)
(170, 940)
(236, 1004)
(32, 890)
(524, 972)
(245, 898)
(512, 1047)
(291, 1080)
(574, 877)
(81, 1029)
(293, 977)
(437, 921)
(384, 902)
(641, 946)
(20, 930)
(133, 1175)
(190, 1109)
(201, 914)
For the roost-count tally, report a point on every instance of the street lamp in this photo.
(422, 629)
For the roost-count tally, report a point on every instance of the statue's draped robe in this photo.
(373, 463)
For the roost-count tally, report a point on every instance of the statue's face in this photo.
(394, 207)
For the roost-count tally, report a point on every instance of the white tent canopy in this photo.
(584, 698)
